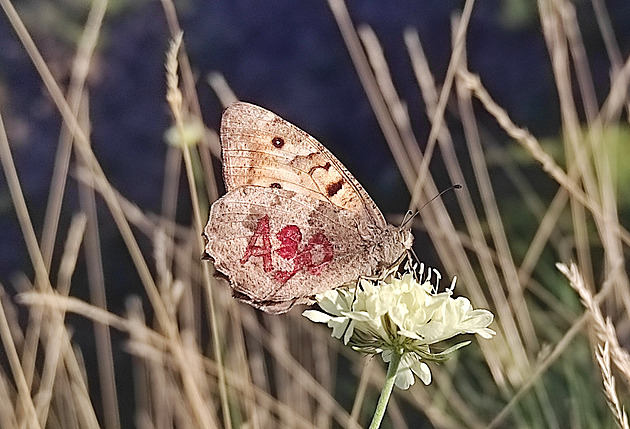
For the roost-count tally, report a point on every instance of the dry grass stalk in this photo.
(260, 372)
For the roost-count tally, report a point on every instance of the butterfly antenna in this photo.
(409, 215)
(407, 219)
(442, 192)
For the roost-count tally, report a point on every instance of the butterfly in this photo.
(293, 222)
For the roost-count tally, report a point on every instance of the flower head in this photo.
(401, 313)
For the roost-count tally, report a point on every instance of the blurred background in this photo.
(288, 57)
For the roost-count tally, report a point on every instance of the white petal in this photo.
(338, 326)
(409, 334)
(349, 332)
(317, 316)
(404, 379)
(423, 372)
(486, 333)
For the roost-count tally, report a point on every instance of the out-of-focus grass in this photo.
(203, 360)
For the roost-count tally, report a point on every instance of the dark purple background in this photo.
(286, 56)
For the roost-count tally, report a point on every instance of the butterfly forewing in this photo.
(260, 148)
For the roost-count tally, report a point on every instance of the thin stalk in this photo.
(381, 406)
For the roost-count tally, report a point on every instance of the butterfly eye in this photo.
(276, 185)
(277, 142)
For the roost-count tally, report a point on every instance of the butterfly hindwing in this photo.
(279, 246)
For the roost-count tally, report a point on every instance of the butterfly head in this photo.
(405, 237)
(395, 241)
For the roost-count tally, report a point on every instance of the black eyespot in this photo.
(277, 142)
(276, 185)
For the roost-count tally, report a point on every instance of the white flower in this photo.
(399, 314)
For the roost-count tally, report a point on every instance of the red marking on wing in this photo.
(290, 237)
(264, 251)
(319, 239)
(317, 253)
(304, 259)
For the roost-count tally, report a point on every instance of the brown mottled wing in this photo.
(262, 149)
(234, 218)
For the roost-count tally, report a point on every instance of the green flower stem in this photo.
(381, 407)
